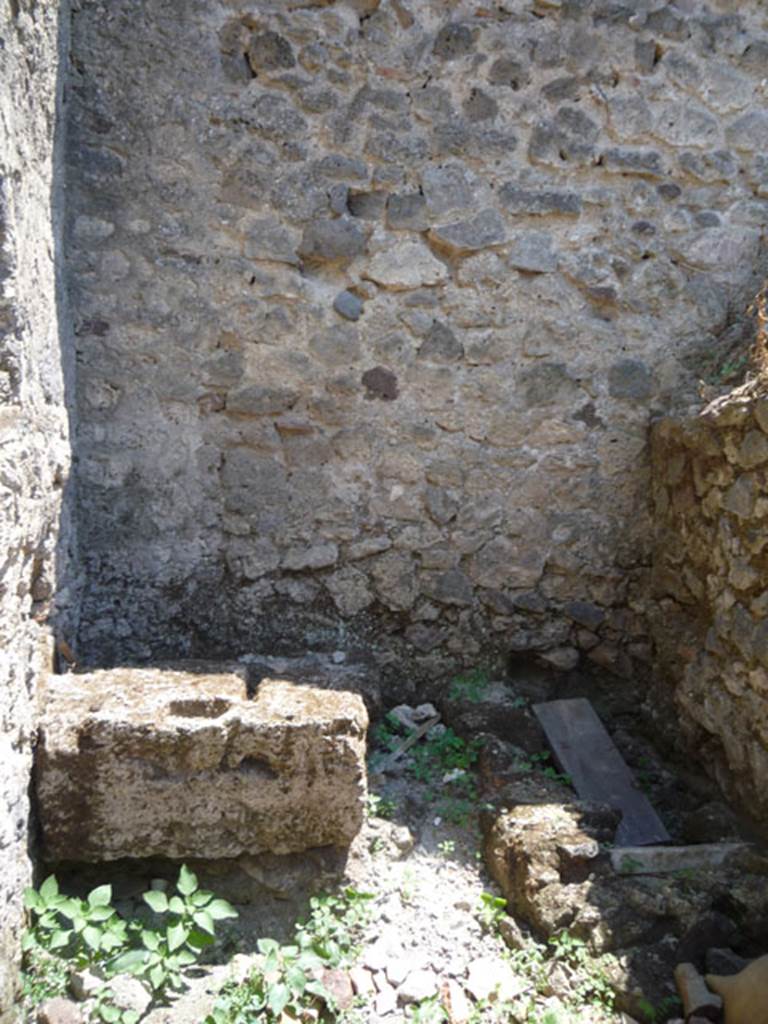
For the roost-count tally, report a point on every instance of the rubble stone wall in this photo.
(710, 602)
(374, 300)
(35, 534)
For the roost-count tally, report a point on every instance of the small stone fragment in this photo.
(348, 305)
(697, 998)
(338, 982)
(386, 1000)
(381, 383)
(59, 1011)
(420, 984)
(128, 993)
(362, 981)
(319, 556)
(84, 984)
(455, 1002)
(489, 977)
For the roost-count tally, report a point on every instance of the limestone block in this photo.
(147, 762)
(406, 265)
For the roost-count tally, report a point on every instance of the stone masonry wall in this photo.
(374, 301)
(709, 586)
(34, 448)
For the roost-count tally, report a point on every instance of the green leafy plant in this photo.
(287, 980)
(283, 983)
(540, 763)
(334, 926)
(630, 864)
(589, 982)
(44, 976)
(387, 733)
(68, 932)
(490, 910)
(380, 807)
(446, 847)
(428, 1011)
(103, 1008)
(664, 1009)
(441, 752)
(84, 931)
(471, 686)
(188, 926)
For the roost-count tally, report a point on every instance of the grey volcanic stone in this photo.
(255, 400)
(630, 378)
(633, 161)
(479, 232)
(270, 51)
(142, 763)
(348, 305)
(539, 201)
(407, 211)
(441, 344)
(454, 588)
(532, 252)
(453, 40)
(509, 72)
(319, 556)
(332, 241)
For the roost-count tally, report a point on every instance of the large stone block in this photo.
(147, 762)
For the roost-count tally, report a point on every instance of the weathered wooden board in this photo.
(584, 751)
(661, 860)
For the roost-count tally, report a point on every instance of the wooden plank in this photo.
(584, 751)
(665, 860)
(406, 744)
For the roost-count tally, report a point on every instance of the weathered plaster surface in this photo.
(34, 447)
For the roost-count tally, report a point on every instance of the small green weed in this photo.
(664, 1009)
(490, 910)
(285, 983)
(590, 983)
(471, 686)
(380, 807)
(72, 933)
(428, 1011)
(44, 976)
(442, 752)
(630, 864)
(446, 848)
(540, 763)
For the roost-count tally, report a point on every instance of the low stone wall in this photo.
(34, 445)
(710, 611)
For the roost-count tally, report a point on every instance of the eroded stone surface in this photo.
(140, 762)
(549, 215)
(36, 359)
(711, 617)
